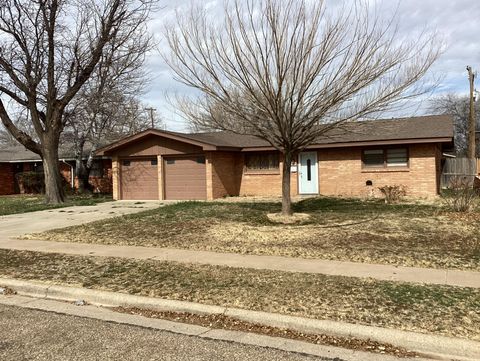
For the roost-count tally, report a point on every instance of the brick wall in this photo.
(223, 174)
(265, 183)
(7, 181)
(341, 173)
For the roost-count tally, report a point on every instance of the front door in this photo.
(308, 173)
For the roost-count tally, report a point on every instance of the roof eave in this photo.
(123, 142)
(363, 143)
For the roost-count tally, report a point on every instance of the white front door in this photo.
(308, 173)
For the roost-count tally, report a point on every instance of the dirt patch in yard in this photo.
(445, 310)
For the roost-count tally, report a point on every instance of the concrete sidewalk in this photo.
(337, 268)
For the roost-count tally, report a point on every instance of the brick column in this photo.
(161, 189)
(115, 178)
(209, 174)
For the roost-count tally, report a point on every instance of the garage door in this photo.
(139, 179)
(185, 178)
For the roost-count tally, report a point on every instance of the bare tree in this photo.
(108, 106)
(458, 106)
(48, 51)
(288, 71)
(21, 122)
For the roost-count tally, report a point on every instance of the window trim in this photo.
(247, 170)
(385, 165)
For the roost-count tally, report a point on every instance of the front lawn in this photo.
(423, 235)
(445, 310)
(28, 203)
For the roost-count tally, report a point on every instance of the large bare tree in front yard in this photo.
(288, 71)
(48, 51)
(108, 105)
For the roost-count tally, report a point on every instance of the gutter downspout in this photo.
(72, 175)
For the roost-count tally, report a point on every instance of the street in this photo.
(39, 335)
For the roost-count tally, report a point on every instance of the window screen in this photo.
(373, 158)
(262, 161)
(397, 157)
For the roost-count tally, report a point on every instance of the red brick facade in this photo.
(101, 184)
(7, 179)
(340, 172)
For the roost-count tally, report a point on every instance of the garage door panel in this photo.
(139, 179)
(185, 178)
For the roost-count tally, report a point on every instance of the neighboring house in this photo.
(353, 161)
(15, 161)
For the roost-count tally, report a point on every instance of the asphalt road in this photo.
(38, 335)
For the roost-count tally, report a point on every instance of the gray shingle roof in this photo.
(426, 127)
(433, 126)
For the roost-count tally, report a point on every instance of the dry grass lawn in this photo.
(444, 310)
(339, 229)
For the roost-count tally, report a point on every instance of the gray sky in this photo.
(457, 21)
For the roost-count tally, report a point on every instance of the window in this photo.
(373, 158)
(154, 162)
(262, 162)
(385, 158)
(397, 157)
(170, 161)
(201, 160)
(126, 163)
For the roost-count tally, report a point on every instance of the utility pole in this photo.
(471, 116)
(151, 110)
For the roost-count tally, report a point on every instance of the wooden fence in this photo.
(455, 168)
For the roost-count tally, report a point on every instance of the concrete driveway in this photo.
(17, 224)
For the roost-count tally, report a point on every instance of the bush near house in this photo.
(393, 194)
(31, 182)
(462, 195)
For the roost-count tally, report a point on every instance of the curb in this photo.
(438, 347)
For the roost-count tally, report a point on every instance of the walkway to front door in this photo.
(308, 173)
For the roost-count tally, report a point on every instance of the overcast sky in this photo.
(457, 21)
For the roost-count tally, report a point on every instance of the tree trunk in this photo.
(286, 198)
(82, 170)
(54, 193)
(82, 174)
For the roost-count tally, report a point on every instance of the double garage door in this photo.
(183, 178)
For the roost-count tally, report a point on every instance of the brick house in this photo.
(355, 161)
(17, 160)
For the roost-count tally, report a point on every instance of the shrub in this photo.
(393, 194)
(31, 182)
(461, 196)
